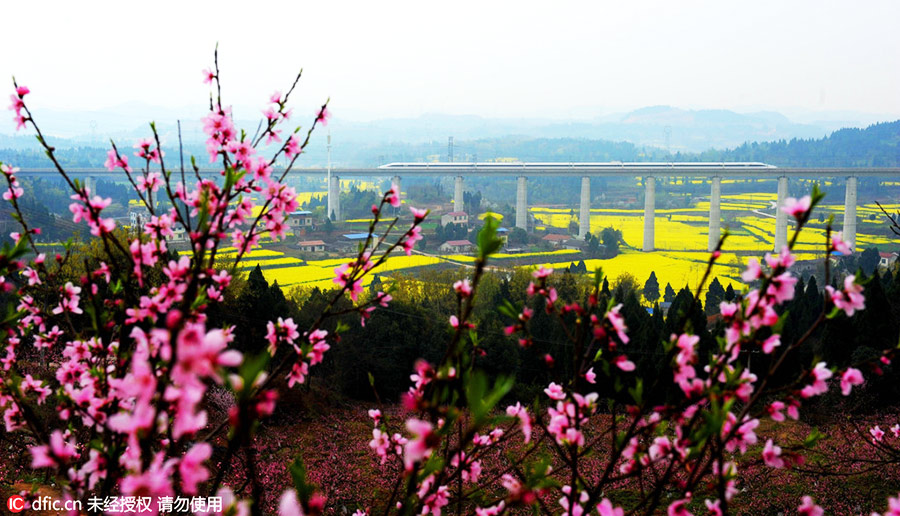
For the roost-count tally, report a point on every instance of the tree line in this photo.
(415, 323)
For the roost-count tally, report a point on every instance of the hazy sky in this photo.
(510, 59)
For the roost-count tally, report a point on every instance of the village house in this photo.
(555, 240)
(138, 216)
(575, 244)
(311, 246)
(178, 234)
(503, 234)
(300, 219)
(887, 260)
(351, 241)
(456, 246)
(455, 217)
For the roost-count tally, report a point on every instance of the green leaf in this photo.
(434, 464)
(232, 177)
(251, 368)
(488, 241)
(12, 317)
(637, 392)
(199, 301)
(476, 388)
(780, 324)
(508, 309)
(816, 196)
(598, 277)
(501, 388)
(481, 400)
(304, 489)
(813, 438)
(371, 380)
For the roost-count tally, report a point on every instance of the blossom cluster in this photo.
(670, 444)
(133, 352)
(134, 356)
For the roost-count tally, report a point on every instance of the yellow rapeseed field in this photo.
(682, 236)
(249, 263)
(681, 242)
(319, 273)
(305, 197)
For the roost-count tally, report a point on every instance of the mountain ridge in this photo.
(672, 128)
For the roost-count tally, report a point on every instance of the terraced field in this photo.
(681, 240)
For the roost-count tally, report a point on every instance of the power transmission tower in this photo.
(450, 150)
(180, 149)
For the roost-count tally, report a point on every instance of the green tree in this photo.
(611, 238)
(670, 293)
(714, 295)
(518, 236)
(255, 305)
(625, 284)
(651, 288)
(593, 245)
(868, 260)
(729, 293)
(578, 268)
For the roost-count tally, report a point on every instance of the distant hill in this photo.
(661, 126)
(676, 129)
(875, 146)
(609, 138)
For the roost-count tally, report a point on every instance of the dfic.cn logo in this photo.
(15, 503)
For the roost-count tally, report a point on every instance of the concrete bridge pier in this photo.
(458, 198)
(780, 215)
(334, 198)
(715, 213)
(584, 217)
(521, 203)
(90, 182)
(849, 234)
(649, 213)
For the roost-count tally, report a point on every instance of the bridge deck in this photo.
(742, 170)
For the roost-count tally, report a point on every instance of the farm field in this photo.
(294, 272)
(681, 242)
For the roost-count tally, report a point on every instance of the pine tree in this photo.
(813, 296)
(729, 293)
(256, 282)
(280, 305)
(256, 306)
(670, 293)
(375, 286)
(887, 280)
(651, 288)
(714, 295)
